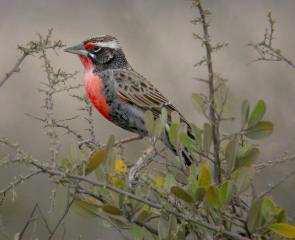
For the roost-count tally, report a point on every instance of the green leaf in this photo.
(205, 175)
(242, 178)
(149, 121)
(212, 197)
(247, 156)
(283, 229)
(181, 194)
(187, 142)
(173, 133)
(163, 228)
(225, 192)
(245, 112)
(143, 214)
(137, 232)
(281, 216)
(268, 208)
(260, 130)
(169, 181)
(207, 137)
(192, 180)
(158, 128)
(199, 194)
(199, 102)
(197, 133)
(172, 226)
(231, 151)
(257, 113)
(85, 207)
(99, 156)
(254, 216)
(110, 209)
(271, 212)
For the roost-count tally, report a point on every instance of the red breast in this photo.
(94, 88)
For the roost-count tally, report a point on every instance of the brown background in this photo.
(157, 38)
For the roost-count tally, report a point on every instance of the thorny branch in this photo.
(62, 218)
(35, 210)
(212, 104)
(64, 176)
(29, 49)
(18, 181)
(80, 184)
(265, 50)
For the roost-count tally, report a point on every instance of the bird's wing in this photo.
(135, 89)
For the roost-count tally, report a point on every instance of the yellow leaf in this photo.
(116, 180)
(212, 197)
(205, 176)
(95, 159)
(181, 194)
(283, 229)
(120, 166)
(86, 206)
(159, 182)
(110, 209)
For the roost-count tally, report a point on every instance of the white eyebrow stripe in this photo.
(112, 44)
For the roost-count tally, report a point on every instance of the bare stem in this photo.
(61, 219)
(15, 69)
(212, 110)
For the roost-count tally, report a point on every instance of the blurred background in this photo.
(157, 38)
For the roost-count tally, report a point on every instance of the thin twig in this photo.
(280, 182)
(15, 69)
(20, 180)
(31, 218)
(61, 218)
(133, 196)
(265, 50)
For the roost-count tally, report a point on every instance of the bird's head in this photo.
(103, 52)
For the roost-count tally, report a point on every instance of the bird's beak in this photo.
(77, 49)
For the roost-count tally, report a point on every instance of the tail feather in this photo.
(182, 153)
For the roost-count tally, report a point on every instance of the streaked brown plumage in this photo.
(118, 92)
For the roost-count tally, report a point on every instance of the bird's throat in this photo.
(95, 89)
(87, 63)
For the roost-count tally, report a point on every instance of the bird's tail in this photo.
(184, 154)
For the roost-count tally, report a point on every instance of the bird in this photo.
(118, 92)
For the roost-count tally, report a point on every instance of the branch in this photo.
(31, 48)
(145, 201)
(31, 218)
(142, 162)
(273, 186)
(265, 50)
(212, 112)
(63, 175)
(20, 180)
(62, 218)
(271, 163)
(15, 69)
(128, 140)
